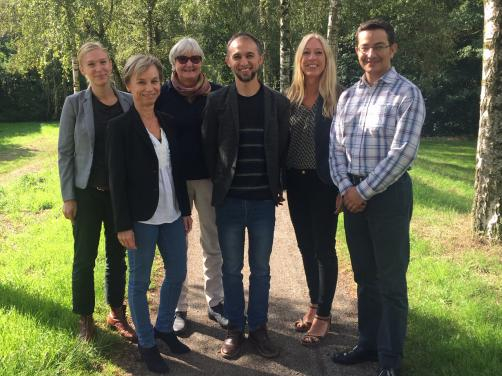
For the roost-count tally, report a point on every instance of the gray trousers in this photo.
(200, 192)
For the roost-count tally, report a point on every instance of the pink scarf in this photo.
(202, 87)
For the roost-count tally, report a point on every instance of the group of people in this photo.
(138, 162)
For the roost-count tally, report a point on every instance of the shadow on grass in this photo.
(57, 317)
(448, 170)
(440, 347)
(10, 152)
(431, 197)
(8, 130)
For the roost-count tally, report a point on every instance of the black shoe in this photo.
(172, 341)
(261, 340)
(388, 372)
(354, 356)
(217, 313)
(154, 361)
(232, 344)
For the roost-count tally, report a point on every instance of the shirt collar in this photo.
(389, 77)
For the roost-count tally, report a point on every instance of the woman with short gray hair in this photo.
(184, 98)
(150, 205)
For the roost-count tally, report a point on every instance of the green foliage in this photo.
(439, 45)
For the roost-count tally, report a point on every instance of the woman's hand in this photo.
(339, 204)
(187, 222)
(70, 209)
(126, 238)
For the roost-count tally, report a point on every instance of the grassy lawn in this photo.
(455, 281)
(38, 333)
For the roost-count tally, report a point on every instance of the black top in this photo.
(250, 180)
(187, 118)
(102, 114)
(134, 169)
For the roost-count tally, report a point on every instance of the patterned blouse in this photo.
(301, 153)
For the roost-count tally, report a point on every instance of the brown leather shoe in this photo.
(260, 339)
(87, 328)
(232, 345)
(117, 320)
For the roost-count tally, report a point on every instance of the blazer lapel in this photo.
(267, 118)
(140, 129)
(234, 108)
(89, 115)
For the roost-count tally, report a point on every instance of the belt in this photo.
(356, 179)
(101, 188)
(301, 171)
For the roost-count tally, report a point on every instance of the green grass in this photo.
(455, 281)
(38, 329)
(455, 284)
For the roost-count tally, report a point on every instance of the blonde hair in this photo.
(138, 64)
(328, 81)
(88, 47)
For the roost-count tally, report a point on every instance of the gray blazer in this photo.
(76, 140)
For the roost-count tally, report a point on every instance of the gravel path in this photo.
(288, 300)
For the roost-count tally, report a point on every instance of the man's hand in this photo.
(353, 201)
(126, 238)
(70, 209)
(280, 199)
(187, 223)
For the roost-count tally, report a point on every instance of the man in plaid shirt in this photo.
(374, 139)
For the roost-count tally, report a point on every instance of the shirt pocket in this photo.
(380, 119)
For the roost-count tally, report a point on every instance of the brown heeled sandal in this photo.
(311, 340)
(303, 326)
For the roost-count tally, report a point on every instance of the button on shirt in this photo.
(376, 133)
(167, 209)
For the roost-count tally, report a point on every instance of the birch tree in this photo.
(488, 184)
(285, 47)
(334, 26)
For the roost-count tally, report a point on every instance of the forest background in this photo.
(440, 45)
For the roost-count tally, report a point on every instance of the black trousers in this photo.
(379, 245)
(312, 209)
(94, 208)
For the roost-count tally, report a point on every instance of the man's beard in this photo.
(246, 78)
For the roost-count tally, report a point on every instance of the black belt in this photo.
(356, 179)
(101, 188)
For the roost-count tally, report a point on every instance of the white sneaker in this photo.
(180, 323)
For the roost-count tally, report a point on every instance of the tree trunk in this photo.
(488, 183)
(75, 70)
(149, 25)
(334, 26)
(285, 76)
(264, 39)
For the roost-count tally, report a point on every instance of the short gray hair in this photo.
(185, 45)
(138, 64)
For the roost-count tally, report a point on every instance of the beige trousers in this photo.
(199, 193)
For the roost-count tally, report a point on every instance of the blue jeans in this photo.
(171, 240)
(232, 218)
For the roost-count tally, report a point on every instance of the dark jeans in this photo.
(312, 206)
(94, 208)
(232, 218)
(379, 246)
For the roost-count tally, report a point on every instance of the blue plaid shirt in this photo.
(375, 133)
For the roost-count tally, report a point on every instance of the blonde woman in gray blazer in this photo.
(84, 186)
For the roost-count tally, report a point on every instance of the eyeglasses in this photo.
(377, 48)
(184, 59)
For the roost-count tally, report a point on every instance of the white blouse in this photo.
(167, 208)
